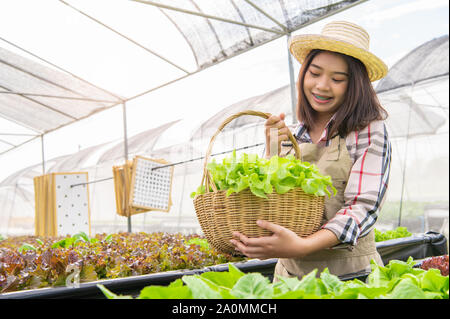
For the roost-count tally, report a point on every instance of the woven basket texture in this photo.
(220, 215)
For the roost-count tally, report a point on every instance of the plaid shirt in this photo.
(370, 151)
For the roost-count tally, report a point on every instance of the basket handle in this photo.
(207, 179)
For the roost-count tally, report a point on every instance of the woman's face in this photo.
(325, 83)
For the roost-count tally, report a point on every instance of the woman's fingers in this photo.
(283, 243)
(251, 242)
(283, 131)
(274, 228)
(274, 138)
(250, 249)
(275, 121)
(244, 239)
(276, 125)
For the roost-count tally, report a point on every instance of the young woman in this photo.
(341, 130)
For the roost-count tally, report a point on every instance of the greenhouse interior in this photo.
(93, 101)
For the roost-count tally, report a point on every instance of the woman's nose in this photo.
(323, 83)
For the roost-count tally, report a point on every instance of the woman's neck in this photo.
(321, 120)
(320, 123)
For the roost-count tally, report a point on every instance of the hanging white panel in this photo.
(72, 203)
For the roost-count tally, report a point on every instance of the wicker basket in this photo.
(220, 215)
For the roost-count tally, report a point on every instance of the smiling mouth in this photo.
(321, 98)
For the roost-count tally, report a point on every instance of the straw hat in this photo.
(343, 37)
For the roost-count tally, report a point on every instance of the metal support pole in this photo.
(43, 155)
(404, 165)
(125, 147)
(292, 84)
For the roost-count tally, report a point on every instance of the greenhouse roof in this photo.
(52, 74)
(276, 101)
(428, 61)
(141, 143)
(41, 98)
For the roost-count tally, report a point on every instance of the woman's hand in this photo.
(275, 122)
(283, 243)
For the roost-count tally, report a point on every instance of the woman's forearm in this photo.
(321, 239)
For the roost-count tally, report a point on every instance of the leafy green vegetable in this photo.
(162, 292)
(406, 289)
(109, 238)
(25, 247)
(262, 176)
(224, 279)
(111, 295)
(199, 241)
(43, 262)
(202, 288)
(80, 237)
(398, 232)
(252, 286)
(436, 262)
(433, 281)
(331, 282)
(63, 243)
(397, 280)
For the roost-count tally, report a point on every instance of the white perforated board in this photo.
(151, 189)
(72, 203)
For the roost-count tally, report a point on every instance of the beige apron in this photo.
(335, 161)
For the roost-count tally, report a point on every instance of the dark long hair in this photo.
(360, 105)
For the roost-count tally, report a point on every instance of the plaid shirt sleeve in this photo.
(365, 192)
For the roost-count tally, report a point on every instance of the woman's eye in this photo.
(337, 80)
(313, 74)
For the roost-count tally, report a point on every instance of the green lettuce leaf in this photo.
(163, 292)
(200, 288)
(110, 295)
(397, 280)
(331, 282)
(252, 286)
(225, 279)
(263, 176)
(406, 289)
(433, 281)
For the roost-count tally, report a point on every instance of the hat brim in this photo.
(301, 45)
